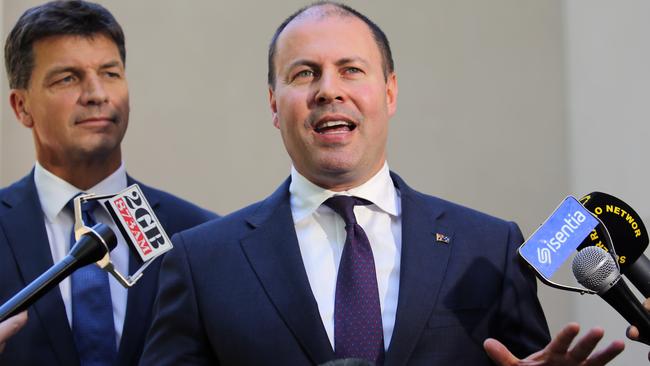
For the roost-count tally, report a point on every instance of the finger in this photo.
(646, 303)
(499, 353)
(12, 325)
(586, 344)
(560, 344)
(603, 356)
(632, 332)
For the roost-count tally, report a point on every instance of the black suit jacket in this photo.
(235, 291)
(25, 254)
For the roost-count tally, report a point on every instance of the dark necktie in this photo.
(92, 309)
(358, 330)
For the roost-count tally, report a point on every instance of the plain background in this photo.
(506, 106)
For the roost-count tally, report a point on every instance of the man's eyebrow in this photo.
(350, 60)
(302, 62)
(340, 62)
(113, 63)
(73, 69)
(59, 70)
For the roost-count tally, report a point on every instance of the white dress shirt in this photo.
(321, 236)
(54, 193)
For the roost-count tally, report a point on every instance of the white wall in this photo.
(608, 90)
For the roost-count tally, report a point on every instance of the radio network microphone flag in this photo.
(558, 237)
(628, 235)
(140, 228)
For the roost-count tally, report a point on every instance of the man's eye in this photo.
(111, 74)
(65, 80)
(353, 70)
(304, 74)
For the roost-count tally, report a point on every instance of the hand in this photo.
(11, 326)
(557, 351)
(633, 333)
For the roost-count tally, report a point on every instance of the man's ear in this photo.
(18, 101)
(274, 108)
(391, 93)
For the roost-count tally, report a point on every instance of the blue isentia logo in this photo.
(558, 237)
(573, 222)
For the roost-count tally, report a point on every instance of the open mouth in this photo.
(331, 127)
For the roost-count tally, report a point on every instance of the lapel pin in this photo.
(441, 238)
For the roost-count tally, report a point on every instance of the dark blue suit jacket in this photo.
(25, 254)
(235, 292)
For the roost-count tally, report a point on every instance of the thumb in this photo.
(499, 353)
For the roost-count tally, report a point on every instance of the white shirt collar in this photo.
(54, 192)
(306, 196)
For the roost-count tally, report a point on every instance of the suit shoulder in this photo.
(228, 227)
(17, 191)
(460, 212)
(178, 214)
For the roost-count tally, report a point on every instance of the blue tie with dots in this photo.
(92, 309)
(358, 331)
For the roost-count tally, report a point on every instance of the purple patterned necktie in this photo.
(358, 331)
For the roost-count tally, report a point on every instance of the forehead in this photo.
(73, 50)
(320, 38)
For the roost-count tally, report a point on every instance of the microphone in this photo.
(596, 270)
(628, 234)
(90, 248)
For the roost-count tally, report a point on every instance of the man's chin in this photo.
(337, 176)
(98, 151)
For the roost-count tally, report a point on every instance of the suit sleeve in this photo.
(177, 336)
(523, 327)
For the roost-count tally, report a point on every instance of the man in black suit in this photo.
(65, 62)
(345, 260)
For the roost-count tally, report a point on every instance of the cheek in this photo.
(370, 100)
(292, 97)
(120, 95)
(60, 105)
(292, 110)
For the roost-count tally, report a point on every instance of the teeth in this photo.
(333, 124)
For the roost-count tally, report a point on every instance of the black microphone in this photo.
(628, 234)
(596, 270)
(90, 248)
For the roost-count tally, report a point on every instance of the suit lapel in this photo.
(273, 252)
(24, 226)
(423, 266)
(140, 297)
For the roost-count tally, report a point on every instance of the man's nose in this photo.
(94, 92)
(329, 89)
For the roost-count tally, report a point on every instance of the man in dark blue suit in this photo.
(345, 260)
(65, 63)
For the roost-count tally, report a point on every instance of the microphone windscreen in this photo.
(595, 269)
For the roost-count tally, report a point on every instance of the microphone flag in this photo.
(558, 237)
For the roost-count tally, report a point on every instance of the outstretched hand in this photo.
(10, 327)
(557, 352)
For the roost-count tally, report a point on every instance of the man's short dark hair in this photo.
(379, 36)
(55, 18)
